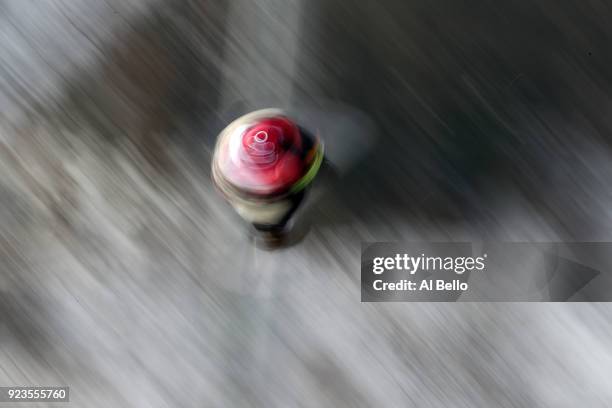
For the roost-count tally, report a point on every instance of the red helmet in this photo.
(265, 155)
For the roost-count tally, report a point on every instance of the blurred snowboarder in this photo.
(263, 164)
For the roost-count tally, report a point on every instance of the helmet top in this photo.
(261, 153)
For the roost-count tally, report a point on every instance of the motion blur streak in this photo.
(124, 276)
